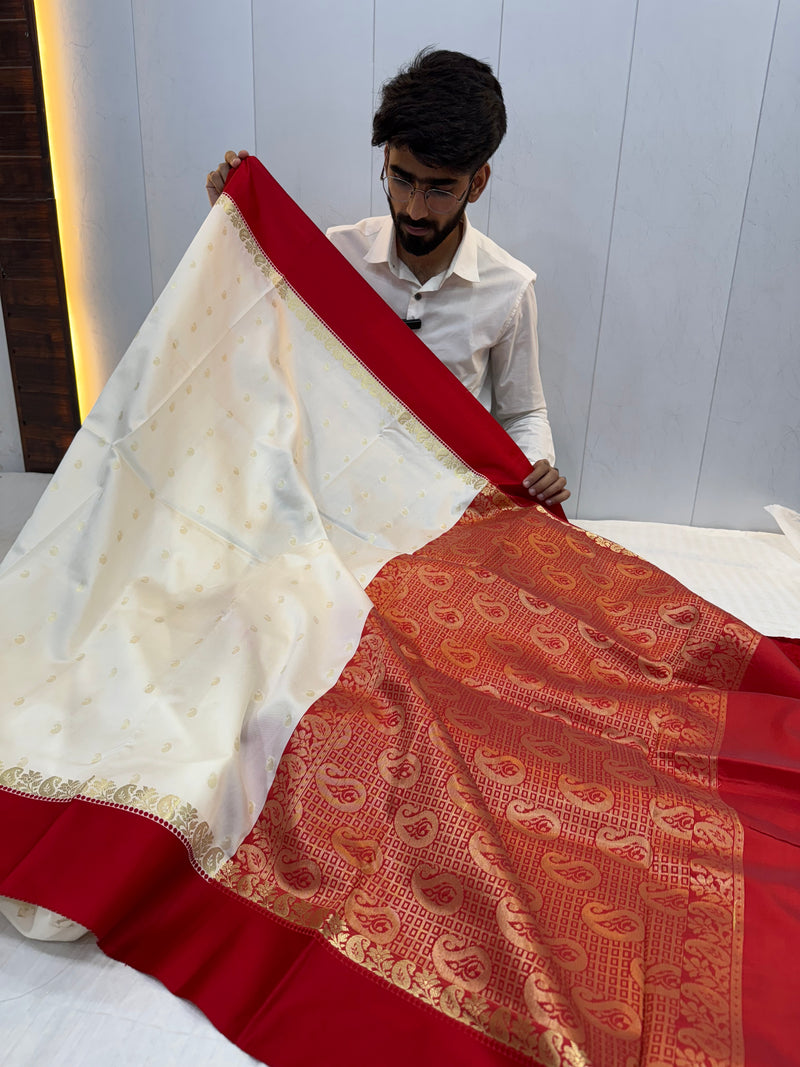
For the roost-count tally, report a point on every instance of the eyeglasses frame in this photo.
(386, 178)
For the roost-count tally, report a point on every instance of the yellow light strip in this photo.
(59, 109)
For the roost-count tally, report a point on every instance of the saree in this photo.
(308, 710)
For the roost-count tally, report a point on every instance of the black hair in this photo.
(445, 107)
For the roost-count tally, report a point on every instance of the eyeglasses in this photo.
(438, 201)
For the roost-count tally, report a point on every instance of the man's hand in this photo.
(215, 182)
(546, 484)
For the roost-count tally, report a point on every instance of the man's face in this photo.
(419, 230)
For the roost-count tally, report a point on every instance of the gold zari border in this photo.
(166, 808)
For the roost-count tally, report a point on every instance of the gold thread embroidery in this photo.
(166, 808)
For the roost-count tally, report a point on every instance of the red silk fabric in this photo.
(548, 814)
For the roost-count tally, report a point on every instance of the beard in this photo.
(422, 244)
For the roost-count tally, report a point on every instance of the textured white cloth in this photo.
(193, 578)
(478, 316)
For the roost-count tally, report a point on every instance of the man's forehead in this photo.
(403, 159)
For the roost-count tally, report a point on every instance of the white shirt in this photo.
(478, 316)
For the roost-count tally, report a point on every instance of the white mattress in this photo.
(68, 1005)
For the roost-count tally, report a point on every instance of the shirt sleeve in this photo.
(518, 401)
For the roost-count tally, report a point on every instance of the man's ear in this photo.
(479, 182)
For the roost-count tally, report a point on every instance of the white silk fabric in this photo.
(193, 578)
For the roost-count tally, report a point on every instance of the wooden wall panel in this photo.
(31, 276)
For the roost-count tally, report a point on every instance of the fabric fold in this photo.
(307, 710)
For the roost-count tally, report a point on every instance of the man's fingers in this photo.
(559, 498)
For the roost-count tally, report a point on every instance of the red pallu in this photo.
(548, 813)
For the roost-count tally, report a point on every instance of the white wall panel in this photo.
(696, 86)
(752, 454)
(313, 99)
(564, 71)
(107, 222)
(195, 74)
(401, 30)
(11, 458)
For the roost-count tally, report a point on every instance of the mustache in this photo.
(420, 224)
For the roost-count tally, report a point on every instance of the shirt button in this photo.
(418, 296)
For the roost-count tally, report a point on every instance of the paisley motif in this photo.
(399, 769)
(503, 646)
(535, 603)
(713, 836)
(361, 852)
(490, 855)
(560, 579)
(480, 574)
(554, 644)
(546, 750)
(445, 614)
(633, 849)
(596, 576)
(507, 547)
(537, 821)
(297, 874)
(494, 611)
(677, 820)
(617, 924)
(590, 796)
(634, 568)
(567, 953)
(542, 547)
(462, 963)
(608, 675)
(465, 720)
(552, 1009)
(517, 925)
(437, 891)
(434, 577)
(368, 916)
(576, 874)
(634, 774)
(404, 624)
(597, 704)
(582, 546)
(615, 608)
(388, 720)
(612, 1016)
(658, 671)
(464, 793)
(682, 616)
(506, 770)
(465, 658)
(659, 587)
(637, 635)
(525, 679)
(415, 825)
(594, 637)
(340, 791)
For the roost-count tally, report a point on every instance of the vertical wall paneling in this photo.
(31, 278)
(313, 86)
(696, 85)
(564, 70)
(10, 443)
(195, 83)
(101, 198)
(401, 30)
(752, 454)
(642, 179)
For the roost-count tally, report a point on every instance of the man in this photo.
(440, 120)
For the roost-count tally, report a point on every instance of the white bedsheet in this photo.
(68, 1005)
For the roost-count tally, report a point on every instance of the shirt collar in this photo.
(464, 263)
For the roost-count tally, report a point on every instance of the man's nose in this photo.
(417, 205)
